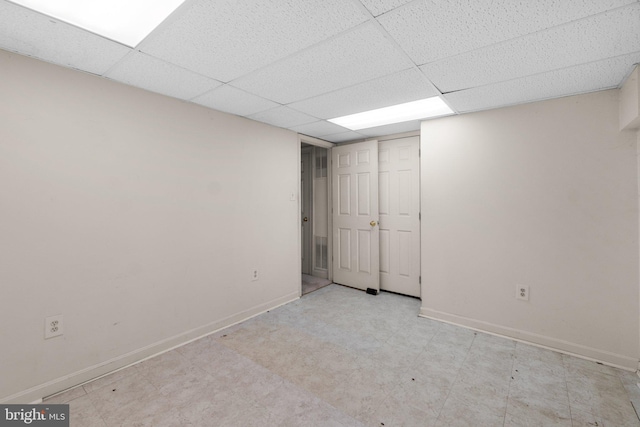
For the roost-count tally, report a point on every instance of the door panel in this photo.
(344, 250)
(404, 253)
(383, 187)
(364, 251)
(344, 205)
(399, 173)
(364, 194)
(356, 244)
(385, 247)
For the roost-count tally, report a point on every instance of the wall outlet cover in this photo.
(53, 326)
(522, 292)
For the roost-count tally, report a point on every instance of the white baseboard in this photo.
(35, 394)
(584, 352)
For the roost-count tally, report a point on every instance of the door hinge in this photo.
(419, 216)
(420, 279)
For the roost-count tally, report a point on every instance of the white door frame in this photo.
(304, 139)
(328, 145)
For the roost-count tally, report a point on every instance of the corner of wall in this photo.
(535, 193)
(630, 101)
(117, 363)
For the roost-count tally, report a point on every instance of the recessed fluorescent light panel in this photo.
(124, 21)
(422, 109)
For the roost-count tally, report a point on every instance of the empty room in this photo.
(336, 213)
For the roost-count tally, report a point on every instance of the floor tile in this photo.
(396, 411)
(583, 419)
(357, 395)
(538, 380)
(480, 395)
(108, 379)
(529, 411)
(215, 408)
(152, 411)
(82, 412)
(603, 395)
(576, 365)
(339, 357)
(425, 394)
(530, 352)
(119, 395)
(471, 411)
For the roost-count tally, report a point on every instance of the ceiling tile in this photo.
(30, 33)
(319, 129)
(603, 36)
(225, 39)
(392, 129)
(283, 117)
(147, 72)
(325, 59)
(594, 76)
(235, 101)
(428, 30)
(344, 137)
(405, 86)
(354, 57)
(378, 7)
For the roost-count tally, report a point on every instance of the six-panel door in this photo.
(399, 181)
(356, 244)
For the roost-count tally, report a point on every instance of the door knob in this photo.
(305, 219)
(372, 223)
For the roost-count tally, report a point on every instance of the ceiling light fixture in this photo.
(125, 21)
(422, 109)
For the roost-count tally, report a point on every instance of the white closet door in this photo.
(356, 244)
(399, 180)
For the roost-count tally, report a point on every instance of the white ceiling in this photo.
(296, 63)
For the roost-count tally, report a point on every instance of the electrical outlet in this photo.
(522, 292)
(53, 326)
(254, 275)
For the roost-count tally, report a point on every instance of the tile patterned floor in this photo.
(311, 283)
(340, 357)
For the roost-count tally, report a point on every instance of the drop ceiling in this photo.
(296, 63)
